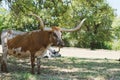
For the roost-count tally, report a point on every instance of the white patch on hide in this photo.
(18, 53)
(58, 33)
(42, 51)
(18, 50)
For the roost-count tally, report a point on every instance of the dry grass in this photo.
(64, 69)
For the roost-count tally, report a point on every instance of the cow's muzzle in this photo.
(60, 43)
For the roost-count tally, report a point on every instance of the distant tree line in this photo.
(97, 31)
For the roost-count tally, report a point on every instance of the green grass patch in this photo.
(64, 68)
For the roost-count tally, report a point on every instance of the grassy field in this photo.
(64, 68)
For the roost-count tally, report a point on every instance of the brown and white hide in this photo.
(28, 44)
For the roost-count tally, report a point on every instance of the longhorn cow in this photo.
(33, 44)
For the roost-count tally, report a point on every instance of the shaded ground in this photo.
(64, 69)
(77, 64)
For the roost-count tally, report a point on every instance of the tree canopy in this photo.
(95, 33)
(116, 33)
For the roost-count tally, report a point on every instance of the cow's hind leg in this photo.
(3, 66)
(4, 62)
(32, 63)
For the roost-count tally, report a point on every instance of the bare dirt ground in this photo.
(87, 53)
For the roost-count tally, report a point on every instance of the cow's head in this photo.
(56, 36)
(56, 31)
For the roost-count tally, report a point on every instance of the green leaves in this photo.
(67, 14)
(98, 24)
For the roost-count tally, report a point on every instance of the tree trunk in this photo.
(92, 45)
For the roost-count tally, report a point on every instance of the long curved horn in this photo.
(74, 29)
(40, 21)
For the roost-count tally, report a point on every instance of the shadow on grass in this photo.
(64, 69)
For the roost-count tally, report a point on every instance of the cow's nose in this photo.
(60, 43)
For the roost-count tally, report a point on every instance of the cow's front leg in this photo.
(32, 63)
(38, 64)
